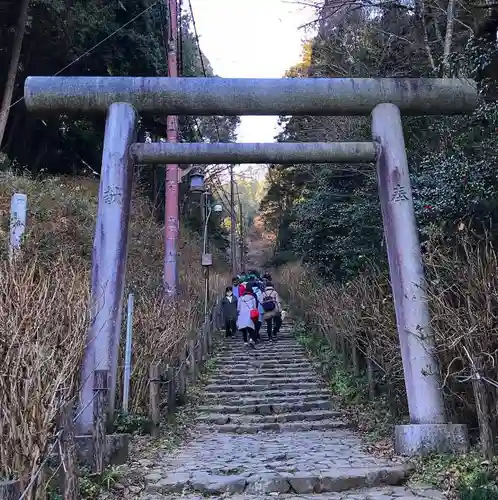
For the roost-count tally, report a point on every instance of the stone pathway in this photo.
(267, 428)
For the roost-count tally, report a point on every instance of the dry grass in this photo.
(40, 346)
(44, 308)
(463, 292)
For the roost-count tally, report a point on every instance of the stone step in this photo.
(284, 339)
(254, 355)
(374, 493)
(274, 347)
(238, 344)
(263, 395)
(335, 480)
(251, 375)
(255, 365)
(263, 350)
(268, 408)
(254, 428)
(274, 374)
(237, 419)
(264, 345)
(271, 364)
(260, 353)
(282, 386)
(256, 361)
(258, 380)
(255, 374)
(281, 335)
(241, 368)
(278, 399)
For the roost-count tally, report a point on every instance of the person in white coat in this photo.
(246, 308)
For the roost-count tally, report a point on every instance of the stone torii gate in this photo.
(121, 98)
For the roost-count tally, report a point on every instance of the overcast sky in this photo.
(251, 39)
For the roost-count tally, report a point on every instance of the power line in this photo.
(196, 34)
(90, 50)
(242, 232)
(203, 66)
(219, 189)
(223, 195)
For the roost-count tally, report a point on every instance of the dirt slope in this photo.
(259, 243)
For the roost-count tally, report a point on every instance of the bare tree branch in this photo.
(450, 16)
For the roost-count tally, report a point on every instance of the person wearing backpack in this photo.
(247, 316)
(272, 307)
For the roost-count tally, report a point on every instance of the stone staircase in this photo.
(267, 427)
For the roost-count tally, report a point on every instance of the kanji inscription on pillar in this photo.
(172, 223)
(112, 195)
(399, 193)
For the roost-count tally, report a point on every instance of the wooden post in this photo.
(198, 352)
(192, 361)
(391, 394)
(218, 320)
(210, 330)
(154, 381)
(204, 342)
(483, 409)
(354, 356)
(219, 316)
(182, 377)
(67, 451)
(344, 354)
(10, 490)
(335, 340)
(99, 420)
(171, 389)
(202, 345)
(370, 376)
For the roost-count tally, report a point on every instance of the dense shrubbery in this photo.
(44, 308)
(357, 320)
(329, 215)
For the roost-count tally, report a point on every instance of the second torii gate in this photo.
(385, 99)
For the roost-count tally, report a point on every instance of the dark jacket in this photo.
(229, 309)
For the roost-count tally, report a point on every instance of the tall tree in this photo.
(329, 215)
(14, 63)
